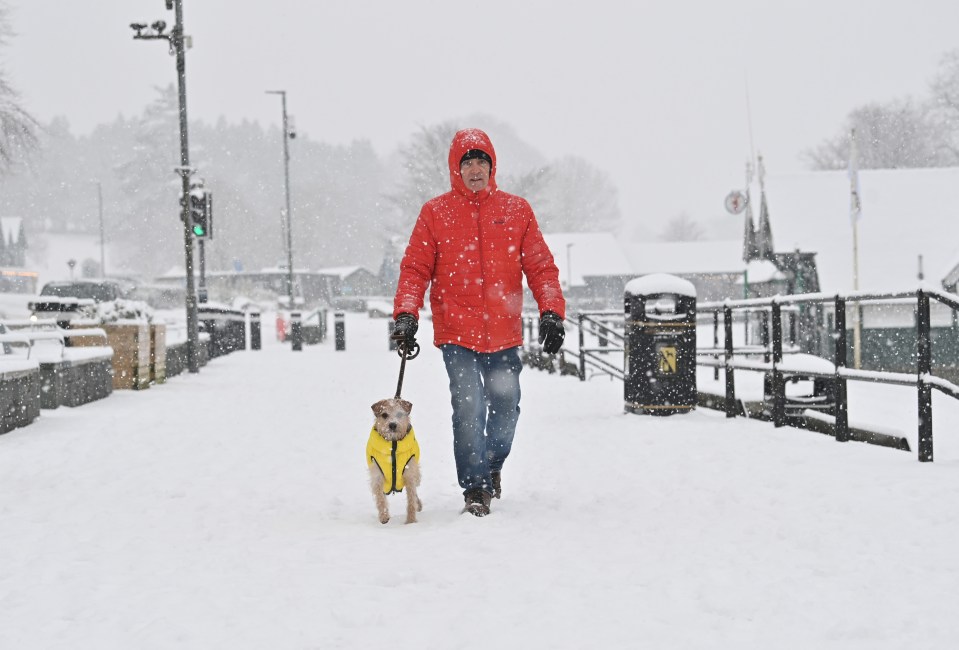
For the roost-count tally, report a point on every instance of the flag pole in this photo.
(857, 323)
(855, 208)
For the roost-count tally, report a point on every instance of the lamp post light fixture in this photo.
(178, 43)
(288, 133)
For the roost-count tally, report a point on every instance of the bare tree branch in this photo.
(17, 127)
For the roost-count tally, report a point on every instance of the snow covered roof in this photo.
(686, 257)
(342, 272)
(905, 213)
(762, 271)
(587, 254)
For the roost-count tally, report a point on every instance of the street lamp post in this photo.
(103, 265)
(287, 134)
(569, 267)
(176, 40)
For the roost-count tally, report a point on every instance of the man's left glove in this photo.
(404, 329)
(551, 332)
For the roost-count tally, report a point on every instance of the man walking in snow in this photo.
(472, 246)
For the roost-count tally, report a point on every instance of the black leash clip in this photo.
(412, 353)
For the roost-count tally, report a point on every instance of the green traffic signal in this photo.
(199, 213)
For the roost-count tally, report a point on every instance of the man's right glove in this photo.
(404, 329)
(551, 332)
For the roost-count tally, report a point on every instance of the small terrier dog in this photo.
(392, 456)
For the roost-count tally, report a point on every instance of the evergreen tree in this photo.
(151, 229)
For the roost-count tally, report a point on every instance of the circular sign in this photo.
(735, 202)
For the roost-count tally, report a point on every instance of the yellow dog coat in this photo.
(392, 457)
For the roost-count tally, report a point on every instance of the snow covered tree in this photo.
(17, 127)
(150, 227)
(573, 195)
(895, 134)
(425, 160)
(945, 94)
(682, 227)
(568, 195)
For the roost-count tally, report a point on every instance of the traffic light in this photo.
(199, 223)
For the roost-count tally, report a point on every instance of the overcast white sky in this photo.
(652, 92)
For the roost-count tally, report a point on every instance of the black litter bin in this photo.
(660, 345)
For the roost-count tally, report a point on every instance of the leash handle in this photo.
(405, 354)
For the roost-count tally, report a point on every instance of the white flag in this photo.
(855, 201)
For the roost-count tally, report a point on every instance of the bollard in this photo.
(255, 335)
(339, 331)
(389, 333)
(296, 330)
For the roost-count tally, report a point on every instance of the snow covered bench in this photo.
(68, 376)
(19, 392)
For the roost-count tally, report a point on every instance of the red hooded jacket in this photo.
(473, 248)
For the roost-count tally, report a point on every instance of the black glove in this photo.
(551, 332)
(404, 329)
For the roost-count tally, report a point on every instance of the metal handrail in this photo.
(923, 380)
(587, 323)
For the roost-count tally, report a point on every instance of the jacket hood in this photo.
(463, 141)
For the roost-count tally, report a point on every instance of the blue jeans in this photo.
(485, 394)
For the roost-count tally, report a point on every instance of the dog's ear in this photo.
(407, 406)
(378, 406)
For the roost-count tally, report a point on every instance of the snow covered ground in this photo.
(230, 510)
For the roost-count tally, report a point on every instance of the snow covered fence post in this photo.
(716, 341)
(764, 334)
(391, 342)
(924, 367)
(731, 410)
(778, 383)
(842, 408)
(582, 348)
(296, 330)
(255, 333)
(339, 331)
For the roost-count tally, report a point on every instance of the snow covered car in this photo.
(96, 290)
(63, 300)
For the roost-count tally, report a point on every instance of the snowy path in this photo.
(230, 510)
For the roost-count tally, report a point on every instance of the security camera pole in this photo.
(176, 41)
(289, 213)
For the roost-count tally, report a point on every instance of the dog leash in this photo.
(405, 354)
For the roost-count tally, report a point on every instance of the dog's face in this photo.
(392, 418)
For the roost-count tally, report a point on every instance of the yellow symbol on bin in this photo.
(667, 360)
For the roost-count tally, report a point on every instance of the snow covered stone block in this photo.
(19, 394)
(131, 353)
(157, 353)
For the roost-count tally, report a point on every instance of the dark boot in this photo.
(477, 502)
(497, 484)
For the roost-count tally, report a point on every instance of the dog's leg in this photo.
(376, 485)
(411, 479)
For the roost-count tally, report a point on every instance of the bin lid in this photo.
(655, 283)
